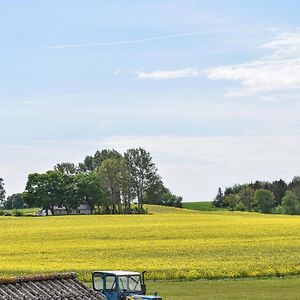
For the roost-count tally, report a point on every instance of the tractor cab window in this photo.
(98, 282)
(111, 283)
(123, 283)
(130, 283)
(134, 283)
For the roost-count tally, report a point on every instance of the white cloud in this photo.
(169, 74)
(276, 72)
(285, 44)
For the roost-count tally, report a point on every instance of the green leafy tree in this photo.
(291, 203)
(294, 183)
(110, 173)
(89, 190)
(234, 189)
(155, 192)
(279, 210)
(231, 201)
(44, 190)
(279, 188)
(92, 163)
(263, 200)
(2, 191)
(8, 203)
(245, 198)
(142, 170)
(169, 199)
(261, 185)
(66, 168)
(158, 194)
(219, 199)
(87, 165)
(54, 186)
(14, 201)
(127, 190)
(69, 193)
(34, 191)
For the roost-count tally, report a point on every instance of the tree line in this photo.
(109, 182)
(262, 196)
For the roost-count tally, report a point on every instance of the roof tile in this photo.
(57, 286)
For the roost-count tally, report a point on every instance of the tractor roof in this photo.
(118, 273)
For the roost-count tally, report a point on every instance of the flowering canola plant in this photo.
(169, 243)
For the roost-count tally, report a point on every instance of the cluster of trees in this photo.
(14, 201)
(107, 181)
(262, 196)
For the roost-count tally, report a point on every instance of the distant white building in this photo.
(83, 209)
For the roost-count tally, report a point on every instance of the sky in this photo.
(209, 87)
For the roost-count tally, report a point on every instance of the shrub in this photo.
(18, 213)
(279, 210)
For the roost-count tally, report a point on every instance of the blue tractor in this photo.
(121, 285)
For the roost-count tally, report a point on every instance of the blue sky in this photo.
(210, 88)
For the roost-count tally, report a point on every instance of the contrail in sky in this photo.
(126, 42)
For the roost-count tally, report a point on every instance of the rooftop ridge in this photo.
(42, 277)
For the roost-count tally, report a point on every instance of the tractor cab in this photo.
(121, 285)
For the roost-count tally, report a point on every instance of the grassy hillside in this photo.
(202, 206)
(170, 244)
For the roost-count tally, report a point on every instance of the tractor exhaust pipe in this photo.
(144, 289)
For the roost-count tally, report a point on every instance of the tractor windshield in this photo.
(130, 283)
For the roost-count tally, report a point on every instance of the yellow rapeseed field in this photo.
(169, 244)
